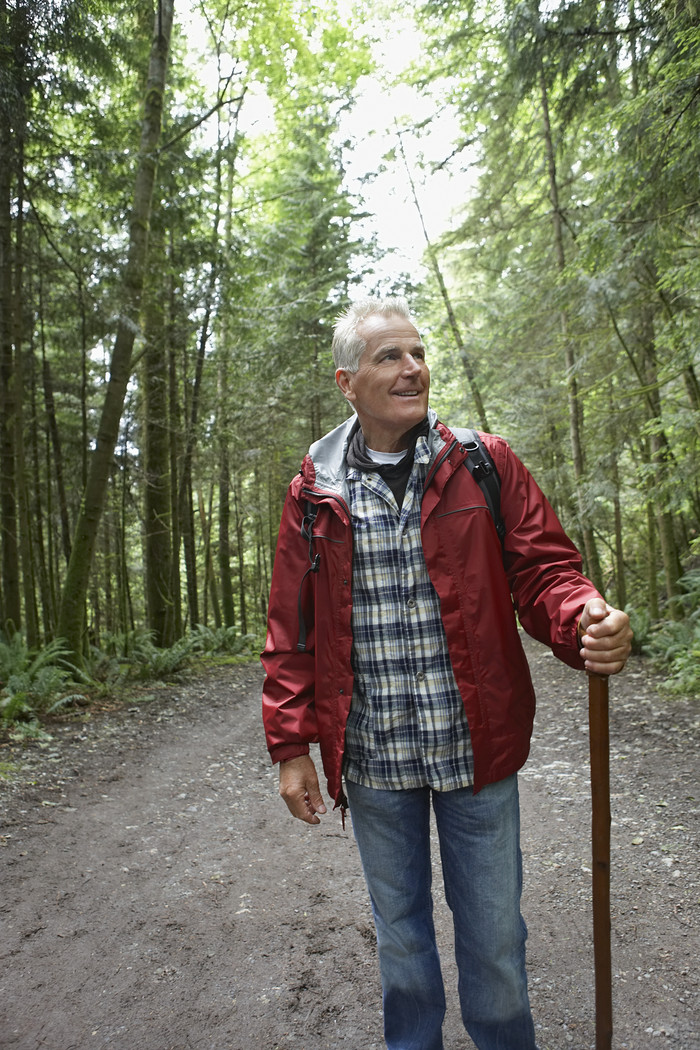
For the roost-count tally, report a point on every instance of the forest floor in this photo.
(157, 896)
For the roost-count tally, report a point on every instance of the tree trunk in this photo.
(223, 411)
(240, 547)
(185, 499)
(661, 460)
(652, 563)
(72, 612)
(210, 588)
(37, 507)
(575, 422)
(157, 499)
(174, 453)
(31, 624)
(189, 549)
(620, 573)
(126, 603)
(10, 592)
(108, 572)
(26, 530)
(224, 552)
(57, 463)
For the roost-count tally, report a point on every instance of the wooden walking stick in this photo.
(600, 806)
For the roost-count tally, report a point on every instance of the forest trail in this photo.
(157, 896)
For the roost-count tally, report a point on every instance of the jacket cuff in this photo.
(283, 752)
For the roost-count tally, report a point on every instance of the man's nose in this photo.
(410, 364)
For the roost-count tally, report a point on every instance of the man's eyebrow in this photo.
(394, 346)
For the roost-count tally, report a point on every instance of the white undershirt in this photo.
(384, 457)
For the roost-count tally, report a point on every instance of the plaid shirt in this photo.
(407, 727)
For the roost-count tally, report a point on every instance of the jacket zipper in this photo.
(438, 463)
(314, 559)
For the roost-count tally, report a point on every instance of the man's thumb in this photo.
(316, 800)
(595, 611)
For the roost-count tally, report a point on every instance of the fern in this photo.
(33, 681)
(159, 663)
(675, 646)
(220, 640)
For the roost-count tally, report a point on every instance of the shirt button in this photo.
(420, 677)
(411, 603)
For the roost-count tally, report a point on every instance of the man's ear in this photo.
(344, 380)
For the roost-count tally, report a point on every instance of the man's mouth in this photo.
(406, 393)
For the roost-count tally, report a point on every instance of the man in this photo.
(392, 641)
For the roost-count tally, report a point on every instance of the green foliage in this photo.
(254, 249)
(8, 770)
(574, 263)
(34, 682)
(675, 645)
(133, 654)
(161, 663)
(642, 626)
(222, 640)
(20, 732)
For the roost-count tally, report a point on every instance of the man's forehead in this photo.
(380, 329)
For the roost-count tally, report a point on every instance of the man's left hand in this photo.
(606, 637)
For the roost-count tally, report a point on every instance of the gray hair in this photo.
(348, 347)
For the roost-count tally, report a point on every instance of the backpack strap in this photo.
(307, 532)
(483, 470)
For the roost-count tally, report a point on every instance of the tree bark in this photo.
(661, 459)
(26, 524)
(10, 590)
(240, 548)
(72, 612)
(185, 495)
(224, 429)
(37, 505)
(210, 589)
(57, 458)
(157, 498)
(174, 454)
(224, 546)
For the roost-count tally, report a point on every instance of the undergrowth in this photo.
(674, 645)
(38, 683)
(35, 683)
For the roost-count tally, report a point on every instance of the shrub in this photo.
(34, 682)
(674, 646)
(221, 640)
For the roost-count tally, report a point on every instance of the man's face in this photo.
(389, 391)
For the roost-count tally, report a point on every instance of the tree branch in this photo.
(221, 101)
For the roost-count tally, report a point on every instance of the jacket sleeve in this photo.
(289, 715)
(543, 565)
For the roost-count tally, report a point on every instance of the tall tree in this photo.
(72, 611)
(14, 33)
(579, 129)
(158, 552)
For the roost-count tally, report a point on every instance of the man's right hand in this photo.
(300, 790)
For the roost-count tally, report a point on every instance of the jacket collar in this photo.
(325, 466)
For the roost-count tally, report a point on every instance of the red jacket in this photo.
(307, 691)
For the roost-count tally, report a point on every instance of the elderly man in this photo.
(392, 641)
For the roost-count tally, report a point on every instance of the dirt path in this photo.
(156, 896)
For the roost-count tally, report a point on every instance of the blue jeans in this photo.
(482, 870)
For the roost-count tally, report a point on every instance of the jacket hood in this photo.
(324, 465)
